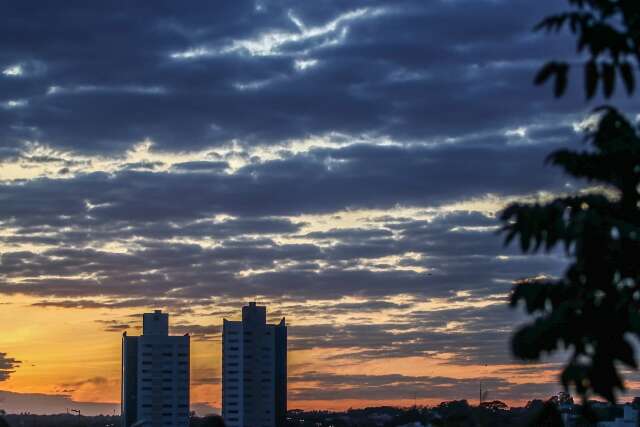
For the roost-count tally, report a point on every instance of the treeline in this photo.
(68, 420)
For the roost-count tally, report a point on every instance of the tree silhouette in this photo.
(609, 31)
(207, 421)
(494, 405)
(595, 306)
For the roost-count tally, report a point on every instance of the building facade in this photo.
(254, 370)
(155, 375)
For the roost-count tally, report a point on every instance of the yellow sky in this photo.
(63, 351)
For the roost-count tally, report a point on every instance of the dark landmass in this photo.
(557, 411)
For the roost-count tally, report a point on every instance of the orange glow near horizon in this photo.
(68, 352)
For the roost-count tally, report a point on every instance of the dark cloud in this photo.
(198, 332)
(95, 304)
(469, 336)
(97, 381)
(40, 403)
(328, 386)
(455, 252)
(404, 69)
(322, 181)
(419, 99)
(109, 325)
(201, 166)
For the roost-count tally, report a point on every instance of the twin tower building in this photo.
(155, 373)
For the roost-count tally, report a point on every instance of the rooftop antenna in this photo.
(482, 395)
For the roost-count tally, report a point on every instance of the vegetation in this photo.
(457, 413)
(67, 420)
(60, 420)
(594, 309)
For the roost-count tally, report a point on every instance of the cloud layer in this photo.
(342, 162)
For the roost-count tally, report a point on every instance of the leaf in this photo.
(608, 78)
(625, 354)
(591, 78)
(627, 77)
(561, 80)
(593, 308)
(523, 343)
(545, 72)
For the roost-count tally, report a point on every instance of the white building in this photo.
(155, 375)
(254, 370)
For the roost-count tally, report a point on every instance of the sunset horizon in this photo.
(420, 189)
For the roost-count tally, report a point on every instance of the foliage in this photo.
(593, 310)
(207, 421)
(494, 405)
(609, 31)
(61, 420)
(595, 305)
(546, 415)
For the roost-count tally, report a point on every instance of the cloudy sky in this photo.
(340, 161)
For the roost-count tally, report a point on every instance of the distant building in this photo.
(155, 375)
(254, 370)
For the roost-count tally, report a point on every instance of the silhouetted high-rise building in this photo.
(254, 370)
(155, 375)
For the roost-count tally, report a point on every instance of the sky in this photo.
(342, 162)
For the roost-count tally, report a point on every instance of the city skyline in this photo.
(343, 163)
